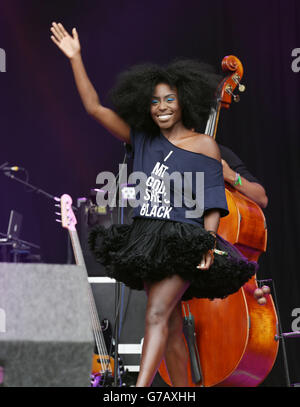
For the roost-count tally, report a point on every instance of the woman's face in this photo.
(164, 108)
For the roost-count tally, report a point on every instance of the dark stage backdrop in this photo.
(45, 129)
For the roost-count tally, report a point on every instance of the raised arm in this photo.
(70, 46)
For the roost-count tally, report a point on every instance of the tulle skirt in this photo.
(150, 250)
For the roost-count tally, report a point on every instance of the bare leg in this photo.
(162, 299)
(176, 354)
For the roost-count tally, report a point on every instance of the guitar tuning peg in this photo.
(242, 88)
(58, 205)
(58, 220)
(58, 213)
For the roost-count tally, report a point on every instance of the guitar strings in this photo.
(100, 342)
(98, 335)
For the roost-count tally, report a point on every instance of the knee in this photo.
(156, 315)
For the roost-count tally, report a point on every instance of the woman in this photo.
(167, 252)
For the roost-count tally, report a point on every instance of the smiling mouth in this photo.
(164, 117)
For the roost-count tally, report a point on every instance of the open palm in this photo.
(69, 45)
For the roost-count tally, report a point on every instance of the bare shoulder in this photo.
(207, 145)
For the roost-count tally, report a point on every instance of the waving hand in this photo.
(68, 44)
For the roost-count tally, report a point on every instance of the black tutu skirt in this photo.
(153, 249)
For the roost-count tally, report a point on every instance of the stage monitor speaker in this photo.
(46, 337)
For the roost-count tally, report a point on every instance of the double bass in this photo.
(236, 337)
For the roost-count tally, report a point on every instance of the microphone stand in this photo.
(118, 284)
(34, 188)
(117, 306)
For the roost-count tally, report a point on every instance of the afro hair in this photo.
(196, 84)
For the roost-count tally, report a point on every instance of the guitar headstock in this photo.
(225, 89)
(68, 218)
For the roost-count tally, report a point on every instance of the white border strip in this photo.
(130, 348)
(132, 368)
(101, 280)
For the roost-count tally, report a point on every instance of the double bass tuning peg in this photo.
(236, 78)
(228, 89)
(242, 88)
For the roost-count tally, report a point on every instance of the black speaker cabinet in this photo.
(46, 337)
